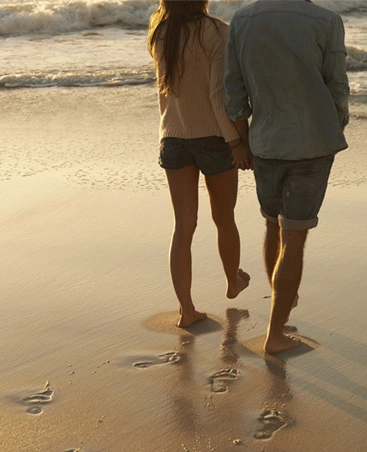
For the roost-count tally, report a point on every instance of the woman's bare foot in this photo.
(279, 344)
(243, 280)
(187, 319)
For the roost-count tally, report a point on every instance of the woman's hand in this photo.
(242, 156)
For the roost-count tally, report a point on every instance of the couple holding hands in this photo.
(282, 63)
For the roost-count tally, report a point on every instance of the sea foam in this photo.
(80, 78)
(84, 77)
(50, 17)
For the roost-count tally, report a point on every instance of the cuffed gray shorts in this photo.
(212, 155)
(291, 192)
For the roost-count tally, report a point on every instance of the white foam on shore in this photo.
(48, 16)
(58, 69)
(82, 78)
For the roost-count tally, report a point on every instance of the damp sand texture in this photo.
(91, 359)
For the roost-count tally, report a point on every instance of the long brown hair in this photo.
(175, 16)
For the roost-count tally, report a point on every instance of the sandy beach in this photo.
(91, 360)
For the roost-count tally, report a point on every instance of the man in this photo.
(286, 67)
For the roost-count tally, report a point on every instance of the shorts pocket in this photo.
(172, 154)
(216, 157)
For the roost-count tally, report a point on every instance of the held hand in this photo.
(242, 157)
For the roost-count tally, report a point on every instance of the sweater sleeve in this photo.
(216, 82)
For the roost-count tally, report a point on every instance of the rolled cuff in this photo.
(292, 225)
(241, 115)
(297, 225)
(345, 122)
(343, 118)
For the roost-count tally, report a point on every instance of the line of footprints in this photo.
(272, 420)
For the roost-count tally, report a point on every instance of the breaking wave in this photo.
(56, 17)
(87, 78)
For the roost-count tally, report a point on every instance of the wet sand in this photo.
(91, 360)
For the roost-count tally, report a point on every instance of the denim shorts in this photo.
(212, 155)
(291, 192)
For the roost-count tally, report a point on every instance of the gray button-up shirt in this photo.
(285, 66)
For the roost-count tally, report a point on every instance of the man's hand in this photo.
(242, 156)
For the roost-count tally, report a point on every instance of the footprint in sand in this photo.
(272, 421)
(36, 401)
(164, 358)
(219, 379)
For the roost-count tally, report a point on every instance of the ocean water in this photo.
(83, 43)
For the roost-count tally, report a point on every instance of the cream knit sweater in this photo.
(196, 108)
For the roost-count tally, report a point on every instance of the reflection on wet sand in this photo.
(184, 409)
(274, 415)
(219, 380)
(185, 394)
(194, 406)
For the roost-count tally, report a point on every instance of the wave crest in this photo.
(55, 18)
(46, 18)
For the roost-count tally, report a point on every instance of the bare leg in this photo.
(183, 184)
(271, 248)
(222, 190)
(271, 253)
(285, 283)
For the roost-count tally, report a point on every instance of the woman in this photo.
(188, 48)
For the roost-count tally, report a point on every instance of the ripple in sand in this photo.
(36, 401)
(219, 380)
(272, 421)
(164, 358)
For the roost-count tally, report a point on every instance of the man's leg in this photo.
(286, 279)
(271, 253)
(271, 248)
(295, 190)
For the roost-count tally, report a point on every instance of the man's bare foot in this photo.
(243, 280)
(279, 344)
(187, 319)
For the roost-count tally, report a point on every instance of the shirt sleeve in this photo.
(334, 70)
(216, 83)
(236, 96)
